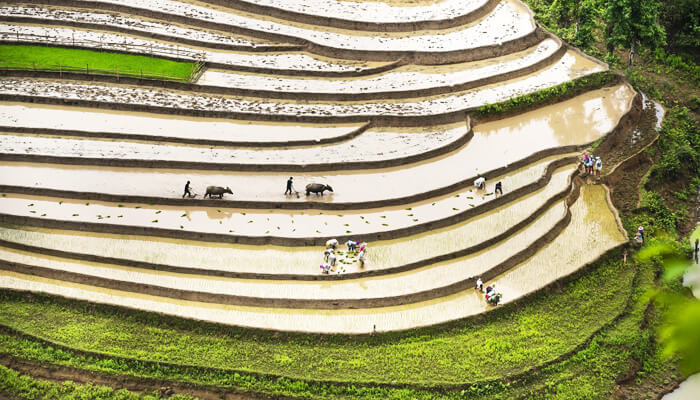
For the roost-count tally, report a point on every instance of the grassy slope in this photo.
(95, 60)
(20, 386)
(496, 345)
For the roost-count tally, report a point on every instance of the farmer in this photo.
(187, 190)
(480, 182)
(327, 253)
(598, 166)
(361, 257)
(480, 285)
(331, 259)
(499, 189)
(332, 244)
(352, 245)
(289, 186)
(325, 268)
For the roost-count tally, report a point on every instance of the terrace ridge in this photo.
(301, 277)
(341, 23)
(288, 241)
(416, 57)
(311, 96)
(317, 304)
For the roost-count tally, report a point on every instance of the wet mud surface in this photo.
(508, 21)
(377, 11)
(292, 224)
(571, 66)
(274, 260)
(137, 25)
(96, 123)
(594, 113)
(588, 213)
(371, 145)
(276, 61)
(405, 78)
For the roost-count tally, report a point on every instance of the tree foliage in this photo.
(681, 19)
(632, 24)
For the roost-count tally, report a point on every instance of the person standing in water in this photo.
(499, 189)
(289, 186)
(187, 190)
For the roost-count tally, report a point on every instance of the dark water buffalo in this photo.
(217, 191)
(317, 188)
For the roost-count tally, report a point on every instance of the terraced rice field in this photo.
(381, 101)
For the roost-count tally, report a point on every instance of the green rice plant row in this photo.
(557, 93)
(26, 57)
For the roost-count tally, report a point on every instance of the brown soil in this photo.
(60, 374)
(630, 140)
(625, 193)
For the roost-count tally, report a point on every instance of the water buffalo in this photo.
(317, 188)
(217, 191)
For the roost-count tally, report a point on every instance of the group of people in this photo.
(480, 184)
(592, 164)
(491, 296)
(330, 258)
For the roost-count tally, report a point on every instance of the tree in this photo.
(681, 20)
(632, 24)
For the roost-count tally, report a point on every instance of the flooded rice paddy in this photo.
(391, 11)
(572, 65)
(589, 213)
(137, 25)
(574, 122)
(132, 44)
(282, 223)
(508, 21)
(159, 126)
(406, 283)
(405, 78)
(371, 145)
(299, 260)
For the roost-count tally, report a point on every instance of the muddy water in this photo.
(376, 145)
(303, 61)
(524, 279)
(147, 26)
(157, 125)
(269, 222)
(592, 232)
(385, 11)
(422, 279)
(576, 121)
(293, 260)
(572, 65)
(509, 20)
(688, 390)
(410, 77)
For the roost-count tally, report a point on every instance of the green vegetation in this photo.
(26, 387)
(474, 354)
(557, 93)
(462, 352)
(94, 62)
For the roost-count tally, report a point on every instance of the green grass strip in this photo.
(498, 344)
(49, 58)
(19, 386)
(561, 92)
